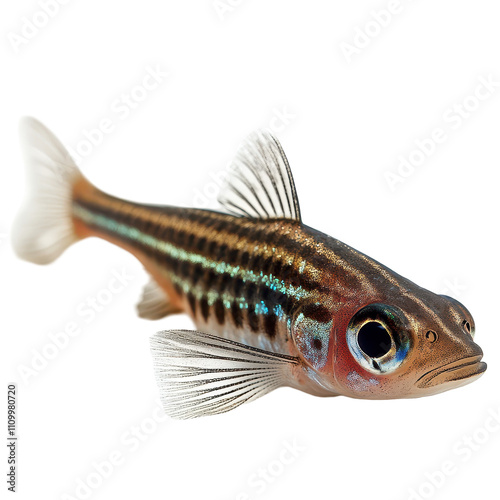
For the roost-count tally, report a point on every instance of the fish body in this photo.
(275, 302)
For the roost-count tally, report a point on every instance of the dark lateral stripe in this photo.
(184, 269)
(246, 291)
(210, 279)
(250, 292)
(270, 324)
(194, 273)
(197, 273)
(205, 308)
(267, 265)
(219, 311)
(192, 302)
(201, 244)
(245, 258)
(237, 314)
(238, 286)
(252, 318)
(128, 212)
(190, 239)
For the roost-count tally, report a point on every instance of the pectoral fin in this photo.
(201, 374)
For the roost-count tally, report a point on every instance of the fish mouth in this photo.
(457, 371)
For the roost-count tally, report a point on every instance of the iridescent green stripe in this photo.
(136, 235)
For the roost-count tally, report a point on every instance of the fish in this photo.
(275, 303)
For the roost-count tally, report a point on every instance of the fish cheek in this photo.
(356, 382)
(351, 379)
(312, 338)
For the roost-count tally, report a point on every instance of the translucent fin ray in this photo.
(44, 227)
(200, 374)
(260, 182)
(155, 303)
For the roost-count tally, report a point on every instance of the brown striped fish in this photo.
(275, 302)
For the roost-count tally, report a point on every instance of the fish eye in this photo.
(378, 338)
(374, 340)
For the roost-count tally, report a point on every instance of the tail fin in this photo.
(44, 227)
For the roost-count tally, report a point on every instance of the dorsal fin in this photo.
(260, 183)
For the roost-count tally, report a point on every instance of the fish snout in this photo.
(456, 373)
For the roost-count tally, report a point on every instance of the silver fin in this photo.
(260, 183)
(200, 374)
(154, 303)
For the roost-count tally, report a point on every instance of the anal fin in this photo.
(155, 303)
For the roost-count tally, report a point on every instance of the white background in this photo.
(231, 71)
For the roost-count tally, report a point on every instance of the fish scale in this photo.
(252, 304)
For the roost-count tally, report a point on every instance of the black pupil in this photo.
(374, 340)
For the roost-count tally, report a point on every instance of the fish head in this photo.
(408, 345)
